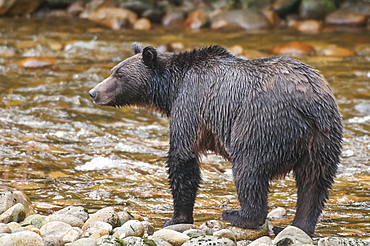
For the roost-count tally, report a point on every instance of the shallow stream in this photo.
(61, 149)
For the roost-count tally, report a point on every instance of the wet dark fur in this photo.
(267, 116)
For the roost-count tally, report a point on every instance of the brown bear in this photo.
(266, 116)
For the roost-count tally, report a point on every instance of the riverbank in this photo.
(75, 226)
(301, 15)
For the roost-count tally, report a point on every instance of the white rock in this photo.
(24, 238)
(262, 241)
(276, 213)
(296, 235)
(55, 228)
(131, 228)
(171, 236)
(72, 235)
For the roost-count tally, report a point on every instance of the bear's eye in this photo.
(119, 75)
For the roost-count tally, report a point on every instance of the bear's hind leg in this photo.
(313, 181)
(252, 188)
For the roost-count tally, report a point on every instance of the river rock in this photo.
(142, 24)
(131, 228)
(133, 241)
(108, 240)
(75, 9)
(72, 235)
(124, 216)
(97, 225)
(16, 213)
(194, 233)
(293, 234)
(160, 242)
(84, 242)
(148, 228)
(195, 20)
(250, 234)
(313, 9)
(34, 219)
(345, 17)
(18, 7)
(262, 241)
(36, 62)
(173, 18)
(337, 51)
(171, 236)
(276, 213)
(4, 228)
(24, 238)
(293, 48)
(245, 18)
(52, 241)
(224, 233)
(181, 227)
(307, 26)
(55, 229)
(209, 240)
(107, 214)
(14, 226)
(337, 241)
(211, 226)
(10, 198)
(114, 18)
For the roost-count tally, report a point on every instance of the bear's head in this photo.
(128, 82)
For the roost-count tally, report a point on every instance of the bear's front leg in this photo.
(184, 178)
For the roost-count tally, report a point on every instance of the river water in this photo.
(61, 149)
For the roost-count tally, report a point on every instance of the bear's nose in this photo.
(93, 94)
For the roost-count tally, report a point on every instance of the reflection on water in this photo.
(61, 149)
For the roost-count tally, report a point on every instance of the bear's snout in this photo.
(93, 94)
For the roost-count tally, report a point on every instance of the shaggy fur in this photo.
(267, 116)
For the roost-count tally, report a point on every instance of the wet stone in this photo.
(52, 241)
(16, 213)
(36, 62)
(133, 241)
(124, 216)
(84, 242)
(148, 228)
(293, 48)
(55, 229)
(181, 227)
(35, 219)
(72, 235)
(142, 24)
(337, 241)
(262, 241)
(213, 225)
(108, 241)
(276, 213)
(224, 233)
(171, 236)
(4, 228)
(293, 234)
(250, 234)
(98, 225)
(194, 233)
(107, 214)
(24, 238)
(10, 198)
(345, 17)
(209, 240)
(130, 228)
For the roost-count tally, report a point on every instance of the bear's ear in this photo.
(150, 56)
(136, 48)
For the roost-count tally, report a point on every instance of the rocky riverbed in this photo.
(75, 226)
